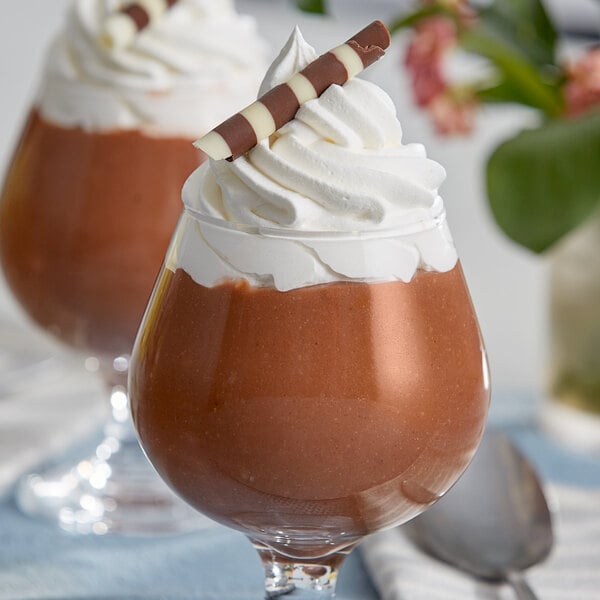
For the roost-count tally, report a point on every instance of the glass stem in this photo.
(118, 425)
(119, 448)
(301, 579)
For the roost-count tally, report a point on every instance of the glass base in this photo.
(114, 491)
(301, 579)
(572, 427)
(26, 359)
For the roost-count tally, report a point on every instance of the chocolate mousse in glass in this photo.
(89, 205)
(310, 369)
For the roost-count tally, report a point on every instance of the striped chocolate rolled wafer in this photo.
(121, 27)
(258, 121)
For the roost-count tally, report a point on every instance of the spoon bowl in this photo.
(495, 522)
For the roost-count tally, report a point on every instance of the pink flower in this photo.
(428, 83)
(582, 88)
(453, 115)
(434, 36)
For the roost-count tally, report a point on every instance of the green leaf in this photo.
(525, 26)
(546, 181)
(313, 6)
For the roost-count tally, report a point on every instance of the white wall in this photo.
(506, 282)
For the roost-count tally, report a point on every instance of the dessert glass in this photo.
(85, 219)
(309, 418)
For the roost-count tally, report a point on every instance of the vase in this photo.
(572, 414)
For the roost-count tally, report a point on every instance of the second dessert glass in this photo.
(311, 417)
(84, 219)
(87, 210)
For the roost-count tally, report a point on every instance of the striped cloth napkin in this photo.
(572, 572)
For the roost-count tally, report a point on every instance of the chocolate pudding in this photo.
(314, 416)
(85, 220)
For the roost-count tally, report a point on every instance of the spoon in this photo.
(494, 522)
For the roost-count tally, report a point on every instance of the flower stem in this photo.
(521, 74)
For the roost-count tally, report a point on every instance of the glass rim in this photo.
(413, 226)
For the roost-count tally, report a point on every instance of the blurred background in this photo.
(508, 283)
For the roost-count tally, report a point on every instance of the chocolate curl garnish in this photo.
(121, 27)
(264, 117)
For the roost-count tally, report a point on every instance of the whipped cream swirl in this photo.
(339, 166)
(193, 67)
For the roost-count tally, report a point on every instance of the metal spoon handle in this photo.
(520, 587)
